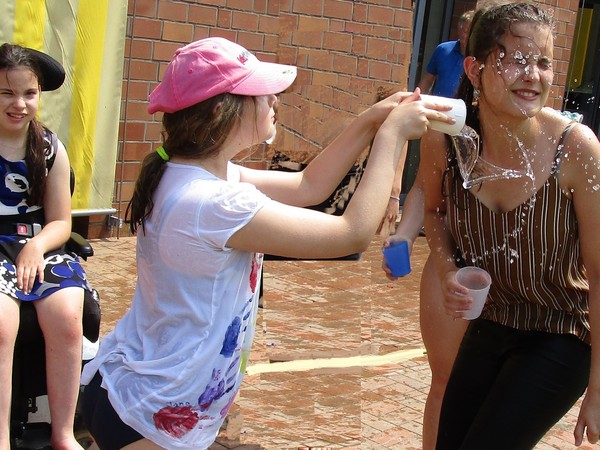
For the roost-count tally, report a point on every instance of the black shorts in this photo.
(101, 420)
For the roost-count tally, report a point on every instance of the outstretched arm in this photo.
(285, 230)
(319, 179)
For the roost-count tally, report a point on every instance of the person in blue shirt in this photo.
(445, 67)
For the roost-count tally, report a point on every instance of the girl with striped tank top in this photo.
(527, 210)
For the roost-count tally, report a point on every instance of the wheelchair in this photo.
(29, 367)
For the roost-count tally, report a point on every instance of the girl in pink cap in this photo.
(169, 371)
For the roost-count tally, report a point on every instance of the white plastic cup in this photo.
(458, 113)
(397, 258)
(478, 281)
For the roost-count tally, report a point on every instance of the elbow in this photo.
(359, 243)
(363, 246)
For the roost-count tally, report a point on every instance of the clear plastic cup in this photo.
(478, 281)
(458, 113)
(397, 258)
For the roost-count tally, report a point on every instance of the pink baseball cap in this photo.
(213, 66)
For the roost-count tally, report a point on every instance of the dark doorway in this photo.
(435, 21)
(583, 79)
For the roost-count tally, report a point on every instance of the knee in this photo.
(69, 332)
(439, 380)
(9, 326)
(438, 387)
(7, 339)
(60, 317)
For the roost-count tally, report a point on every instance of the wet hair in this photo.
(36, 147)
(489, 25)
(466, 18)
(197, 131)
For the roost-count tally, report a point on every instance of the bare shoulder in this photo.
(580, 137)
(581, 156)
(581, 141)
(553, 121)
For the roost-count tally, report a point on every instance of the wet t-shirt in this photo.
(174, 363)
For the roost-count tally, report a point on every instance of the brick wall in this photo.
(344, 51)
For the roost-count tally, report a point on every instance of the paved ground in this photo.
(338, 360)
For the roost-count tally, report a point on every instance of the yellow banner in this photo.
(88, 38)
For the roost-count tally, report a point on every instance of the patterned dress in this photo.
(17, 219)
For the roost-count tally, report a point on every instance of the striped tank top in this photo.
(539, 281)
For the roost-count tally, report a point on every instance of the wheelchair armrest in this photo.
(80, 246)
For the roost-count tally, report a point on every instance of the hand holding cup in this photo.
(458, 113)
(478, 282)
(397, 258)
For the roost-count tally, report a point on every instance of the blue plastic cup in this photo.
(397, 258)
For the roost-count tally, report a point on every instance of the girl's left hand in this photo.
(30, 265)
(386, 243)
(589, 418)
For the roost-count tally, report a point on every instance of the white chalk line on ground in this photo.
(327, 363)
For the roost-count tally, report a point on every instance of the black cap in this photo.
(53, 73)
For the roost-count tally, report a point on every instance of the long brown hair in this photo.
(197, 131)
(36, 148)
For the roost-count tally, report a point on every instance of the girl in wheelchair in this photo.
(35, 223)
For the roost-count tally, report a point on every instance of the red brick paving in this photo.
(316, 309)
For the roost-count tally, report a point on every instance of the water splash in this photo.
(474, 169)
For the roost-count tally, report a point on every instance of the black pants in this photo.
(509, 387)
(101, 420)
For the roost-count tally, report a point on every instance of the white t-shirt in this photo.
(175, 361)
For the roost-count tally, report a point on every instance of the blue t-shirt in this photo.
(446, 64)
